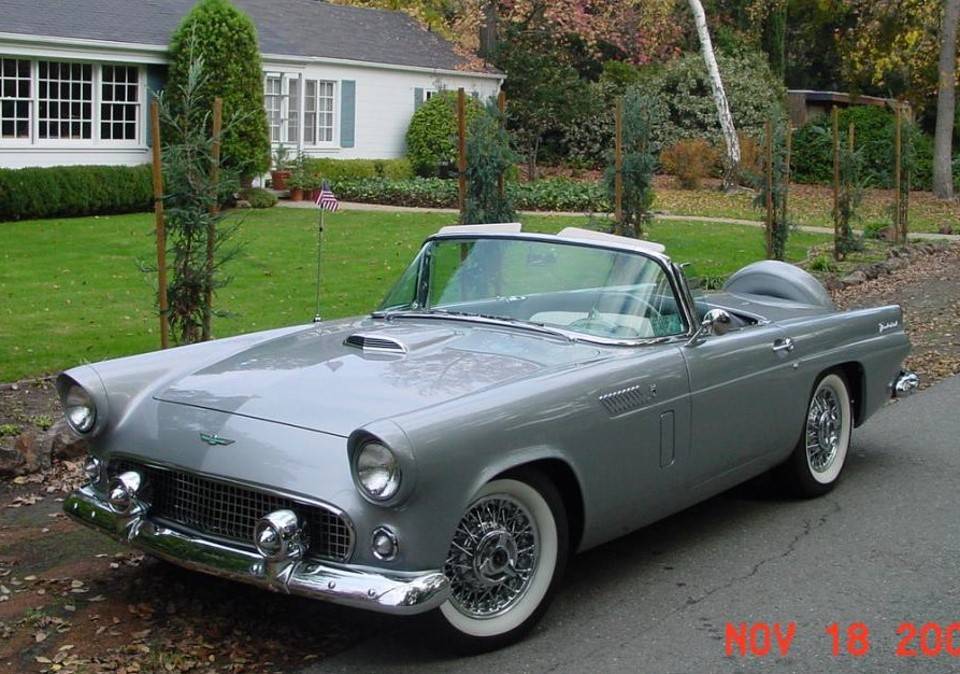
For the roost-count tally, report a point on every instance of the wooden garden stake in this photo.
(502, 105)
(897, 174)
(161, 228)
(618, 167)
(836, 183)
(769, 171)
(214, 209)
(462, 150)
(787, 167)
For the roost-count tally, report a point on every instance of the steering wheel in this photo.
(594, 325)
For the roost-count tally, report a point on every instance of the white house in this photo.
(76, 76)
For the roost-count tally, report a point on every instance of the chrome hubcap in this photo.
(492, 557)
(824, 423)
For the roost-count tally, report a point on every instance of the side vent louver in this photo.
(628, 399)
(375, 343)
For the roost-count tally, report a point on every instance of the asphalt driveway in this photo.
(883, 549)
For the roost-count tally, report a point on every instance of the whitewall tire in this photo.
(815, 465)
(507, 553)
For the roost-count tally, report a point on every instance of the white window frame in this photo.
(138, 139)
(31, 106)
(95, 140)
(300, 143)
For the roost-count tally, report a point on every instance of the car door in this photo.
(741, 384)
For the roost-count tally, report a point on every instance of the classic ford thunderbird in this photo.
(516, 398)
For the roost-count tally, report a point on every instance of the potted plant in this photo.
(281, 169)
(297, 183)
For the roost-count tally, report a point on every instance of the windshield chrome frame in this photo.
(674, 274)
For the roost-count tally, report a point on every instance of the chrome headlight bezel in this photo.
(80, 409)
(377, 472)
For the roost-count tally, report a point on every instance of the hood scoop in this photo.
(375, 343)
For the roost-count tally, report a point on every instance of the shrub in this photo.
(823, 263)
(225, 40)
(431, 137)
(342, 169)
(552, 194)
(259, 197)
(684, 89)
(689, 161)
(875, 135)
(66, 191)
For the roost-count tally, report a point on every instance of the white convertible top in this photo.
(569, 233)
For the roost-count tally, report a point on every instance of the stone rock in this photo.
(872, 271)
(243, 203)
(945, 229)
(61, 443)
(11, 461)
(854, 279)
(832, 283)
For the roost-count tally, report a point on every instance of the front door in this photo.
(741, 384)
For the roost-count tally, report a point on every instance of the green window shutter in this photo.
(417, 97)
(348, 112)
(156, 77)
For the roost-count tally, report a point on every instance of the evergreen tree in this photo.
(224, 39)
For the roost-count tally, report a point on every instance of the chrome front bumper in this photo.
(396, 593)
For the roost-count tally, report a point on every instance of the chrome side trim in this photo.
(394, 593)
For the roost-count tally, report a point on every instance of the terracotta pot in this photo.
(279, 179)
(296, 194)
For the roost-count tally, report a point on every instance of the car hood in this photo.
(314, 379)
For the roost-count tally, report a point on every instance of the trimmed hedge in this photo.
(67, 191)
(348, 169)
(554, 194)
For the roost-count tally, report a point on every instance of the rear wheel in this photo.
(815, 465)
(507, 555)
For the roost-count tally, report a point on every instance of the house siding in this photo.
(384, 101)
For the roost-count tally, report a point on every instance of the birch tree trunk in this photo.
(946, 102)
(732, 162)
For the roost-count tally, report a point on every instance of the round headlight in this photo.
(80, 410)
(378, 471)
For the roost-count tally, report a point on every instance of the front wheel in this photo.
(814, 466)
(507, 554)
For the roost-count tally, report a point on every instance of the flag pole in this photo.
(316, 315)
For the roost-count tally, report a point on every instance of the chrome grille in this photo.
(230, 511)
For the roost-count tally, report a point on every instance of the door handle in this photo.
(785, 344)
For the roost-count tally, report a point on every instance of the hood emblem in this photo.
(215, 439)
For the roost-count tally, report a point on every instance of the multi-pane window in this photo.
(293, 117)
(119, 102)
(310, 113)
(65, 100)
(15, 98)
(325, 94)
(273, 100)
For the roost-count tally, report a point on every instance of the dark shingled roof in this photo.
(288, 27)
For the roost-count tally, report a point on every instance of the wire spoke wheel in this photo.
(505, 553)
(823, 434)
(492, 557)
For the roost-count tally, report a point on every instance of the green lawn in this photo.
(71, 290)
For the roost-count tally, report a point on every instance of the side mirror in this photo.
(715, 322)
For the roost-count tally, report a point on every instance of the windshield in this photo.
(589, 290)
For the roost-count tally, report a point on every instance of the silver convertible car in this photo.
(516, 398)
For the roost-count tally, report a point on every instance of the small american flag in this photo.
(326, 199)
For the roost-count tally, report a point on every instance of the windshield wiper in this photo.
(465, 315)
